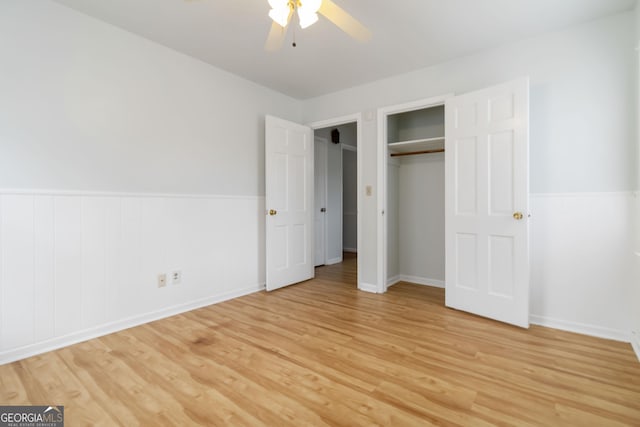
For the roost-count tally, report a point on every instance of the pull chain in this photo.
(294, 36)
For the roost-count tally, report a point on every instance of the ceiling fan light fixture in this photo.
(310, 6)
(280, 15)
(307, 12)
(307, 19)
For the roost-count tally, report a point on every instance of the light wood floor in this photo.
(322, 353)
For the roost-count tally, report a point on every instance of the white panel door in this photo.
(289, 202)
(487, 202)
(320, 206)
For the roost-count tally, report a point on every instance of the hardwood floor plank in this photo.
(322, 353)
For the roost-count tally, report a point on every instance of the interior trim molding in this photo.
(581, 328)
(368, 287)
(424, 281)
(82, 193)
(635, 343)
(120, 325)
(332, 261)
(585, 194)
(393, 280)
(416, 280)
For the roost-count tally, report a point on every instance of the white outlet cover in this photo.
(176, 277)
(162, 280)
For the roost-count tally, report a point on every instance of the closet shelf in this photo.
(412, 153)
(417, 146)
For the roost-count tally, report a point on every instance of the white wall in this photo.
(334, 203)
(582, 90)
(583, 108)
(421, 220)
(349, 200)
(86, 106)
(349, 138)
(82, 99)
(635, 307)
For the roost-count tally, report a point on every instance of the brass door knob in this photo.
(518, 216)
(272, 212)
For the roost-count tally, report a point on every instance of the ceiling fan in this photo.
(307, 10)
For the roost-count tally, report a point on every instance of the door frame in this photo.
(315, 212)
(342, 120)
(383, 153)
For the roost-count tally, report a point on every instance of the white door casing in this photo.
(320, 205)
(289, 202)
(487, 202)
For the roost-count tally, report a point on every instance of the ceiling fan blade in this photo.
(275, 39)
(344, 21)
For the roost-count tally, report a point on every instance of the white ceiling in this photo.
(407, 35)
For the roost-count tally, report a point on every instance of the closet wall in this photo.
(421, 219)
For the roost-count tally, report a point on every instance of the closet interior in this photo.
(415, 212)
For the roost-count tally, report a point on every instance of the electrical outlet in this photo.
(162, 280)
(176, 277)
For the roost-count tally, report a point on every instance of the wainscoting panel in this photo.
(582, 263)
(73, 265)
(44, 290)
(68, 256)
(17, 271)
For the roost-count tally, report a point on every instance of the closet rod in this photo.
(439, 150)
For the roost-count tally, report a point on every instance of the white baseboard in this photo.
(368, 287)
(635, 343)
(350, 250)
(581, 328)
(98, 331)
(334, 261)
(393, 280)
(424, 281)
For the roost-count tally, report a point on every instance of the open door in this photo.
(289, 202)
(487, 202)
